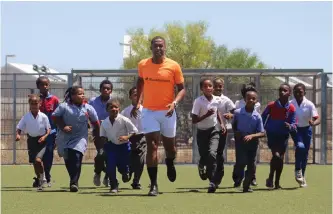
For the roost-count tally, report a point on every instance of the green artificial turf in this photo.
(186, 195)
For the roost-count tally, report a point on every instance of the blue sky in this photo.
(65, 35)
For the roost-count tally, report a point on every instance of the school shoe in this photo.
(247, 189)
(171, 170)
(299, 176)
(304, 184)
(35, 183)
(74, 188)
(254, 182)
(269, 183)
(202, 172)
(277, 185)
(153, 190)
(97, 179)
(106, 181)
(136, 186)
(237, 184)
(211, 188)
(126, 177)
(114, 187)
(40, 185)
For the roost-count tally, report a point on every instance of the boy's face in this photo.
(106, 90)
(134, 96)
(284, 92)
(251, 99)
(218, 88)
(113, 109)
(207, 88)
(43, 86)
(299, 93)
(34, 105)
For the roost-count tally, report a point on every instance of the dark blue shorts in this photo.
(277, 142)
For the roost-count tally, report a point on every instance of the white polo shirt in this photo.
(241, 104)
(304, 112)
(122, 126)
(34, 126)
(202, 105)
(136, 121)
(227, 106)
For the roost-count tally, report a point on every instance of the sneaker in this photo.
(254, 182)
(106, 181)
(171, 170)
(40, 185)
(299, 176)
(97, 179)
(304, 184)
(126, 177)
(202, 172)
(136, 186)
(35, 183)
(247, 189)
(74, 188)
(49, 184)
(211, 188)
(269, 183)
(114, 188)
(153, 190)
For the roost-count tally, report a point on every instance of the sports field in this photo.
(186, 195)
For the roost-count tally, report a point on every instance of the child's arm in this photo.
(291, 120)
(315, 116)
(93, 118)
(18, 133)
(131, 129)
(48, 130)
(259, 129)
(265, 114)
(58, 120)
(102, 140)
(195, 113)
(20, 126)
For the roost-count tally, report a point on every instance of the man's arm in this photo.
(139, 89)
(181, 92)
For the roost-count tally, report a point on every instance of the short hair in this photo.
(33, 97)
(112, 100)
(156, 38)
(70, 92)
(131, 91)
(218, 79)
(203, 80)
(248, 87)
(105, 82)
(299, 85)
(285, 84)
(39, 80)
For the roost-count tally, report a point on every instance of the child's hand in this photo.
(287, 125)
(247, 138)
(223, 129)
(210, 112)
(42, 139)
(18, 137)
(311, 122)
(67, 129)
(228, 116)
(123, 138)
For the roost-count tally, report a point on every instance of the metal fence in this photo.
(17, 86)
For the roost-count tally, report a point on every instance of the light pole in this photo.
(129, 45)
(8, 56)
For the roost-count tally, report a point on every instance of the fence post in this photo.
(195, 94)
(314, 100)
(324, 117)
(257, 81)
(287, 153)
(14, 119)
(70, 79)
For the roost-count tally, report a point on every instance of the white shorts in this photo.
(154, 121)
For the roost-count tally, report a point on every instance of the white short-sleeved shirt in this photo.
(136, 121)
(122, 126)
(202, 105)
(227, 106)
(241, 103)
(34, 126)
(304, 112)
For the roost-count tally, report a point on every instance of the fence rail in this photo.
(16, 87)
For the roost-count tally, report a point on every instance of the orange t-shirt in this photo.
(159, 81)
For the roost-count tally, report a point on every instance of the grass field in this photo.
(186, 195)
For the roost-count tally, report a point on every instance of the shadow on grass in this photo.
(31, 190)
(124, 195)
(196, 188)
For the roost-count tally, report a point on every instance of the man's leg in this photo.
(152, 160)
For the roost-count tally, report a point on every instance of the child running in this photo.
(37, 126)
(99, 104)
(72, 118)
(48, 103)
(138, 142)
(204, 115)
(280, 120)
(248, 128)
(307, 116)
(115, 133)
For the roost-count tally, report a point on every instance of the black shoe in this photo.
(202, 172)
(153, 190)
(114, 187)
(254, 182)
(35, 183)
(74, 188)
(237, 184)
(211, 188)
(247, 189)
(277, 185)
(269, 183)
(126, 177)
(171, 170)
(136, 186)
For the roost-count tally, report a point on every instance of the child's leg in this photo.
(122, 161)
(48, 157)
(111, 152)
(220, 159)
(138, 155)
(306, 133)
(279, 154)
(251, 156)
(213, 142)
(73, 161)
(241, 160)
(203, 148)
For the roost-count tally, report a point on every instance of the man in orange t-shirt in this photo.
(157, 77)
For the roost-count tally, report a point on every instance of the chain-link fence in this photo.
(14, 105)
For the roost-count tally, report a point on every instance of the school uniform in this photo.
(246, 123)
(100, 160)
(274, 116)
(73, 145)
(48, 104)
(208, 137)
(35, 128)
(117, 152)
(138, 144)
(305, 112)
